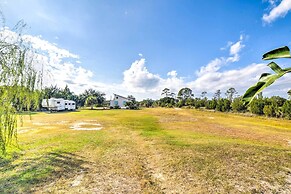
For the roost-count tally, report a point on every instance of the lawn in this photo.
(148, 151)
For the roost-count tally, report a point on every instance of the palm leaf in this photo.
(265, 80)
(276, 68)
(283, 52)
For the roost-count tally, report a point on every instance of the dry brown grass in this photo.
(150, 151)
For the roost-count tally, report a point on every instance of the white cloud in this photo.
(210, 77)
(54, 62)
(38, 43)
(235, 49)
(237, 78)
(137, 77)
(60, 67)
(216, 64)
(139, 54)
(144, 84)
(229, 43)
(172, 73)
(277, 11)
(212, 66)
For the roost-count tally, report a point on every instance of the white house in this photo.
(118, 101)
(58, 104)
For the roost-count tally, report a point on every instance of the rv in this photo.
(58, 104)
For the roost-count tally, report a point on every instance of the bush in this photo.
(226, 105)
(132, 105)
(269, 110)
(210, 104)
(257, 106)
(219, 105)
(286, 109)
(238, 106)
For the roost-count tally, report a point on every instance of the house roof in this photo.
(121, 96)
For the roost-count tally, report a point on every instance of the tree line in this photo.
(274, 106)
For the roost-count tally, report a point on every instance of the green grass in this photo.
(149, 151)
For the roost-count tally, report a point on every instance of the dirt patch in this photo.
(24, 129)
(86, 126)
(39, 123)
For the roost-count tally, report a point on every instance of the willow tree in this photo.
(268, 79)
(19, 81)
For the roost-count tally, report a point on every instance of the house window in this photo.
(116, 103)
(58, 102)
(116, 97)
(69, 103)
(124, 102)
(66, 103)
(73, 103)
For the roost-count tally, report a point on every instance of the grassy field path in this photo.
(149, 151)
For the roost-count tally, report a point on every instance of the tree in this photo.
(166, 92)
(19, 82)
(185, 93)
(223, 105)
(91, 101)
(217, 94)
(132, 103)
(173, 95)
(67, 94)
(52, 92)
(289, 94)
(230, 94)
(147, 103)
(269, 110)
(257, 106)
(167, 102)
(203, 94)
(237, 105)
(286, 109)
(211, 104)
(100, 97)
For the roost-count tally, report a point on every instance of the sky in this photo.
(138, 48)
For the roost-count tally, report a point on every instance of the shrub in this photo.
(286, 109)
(257, 106)
(211, 104)
(238, 105)
(269, 110)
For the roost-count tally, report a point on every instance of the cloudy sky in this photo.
(141, 47)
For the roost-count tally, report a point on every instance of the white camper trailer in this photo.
(70, 105)
(58, 104)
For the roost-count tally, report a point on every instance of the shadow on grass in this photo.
(26, 175)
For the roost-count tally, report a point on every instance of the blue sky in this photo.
(140, 47)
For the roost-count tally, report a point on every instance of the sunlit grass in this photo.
(149, 151)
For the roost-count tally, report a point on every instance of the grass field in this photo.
(149, 151)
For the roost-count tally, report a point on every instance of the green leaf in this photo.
(264, 76)
(265, 80)
(283, 52)
(275, 67)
